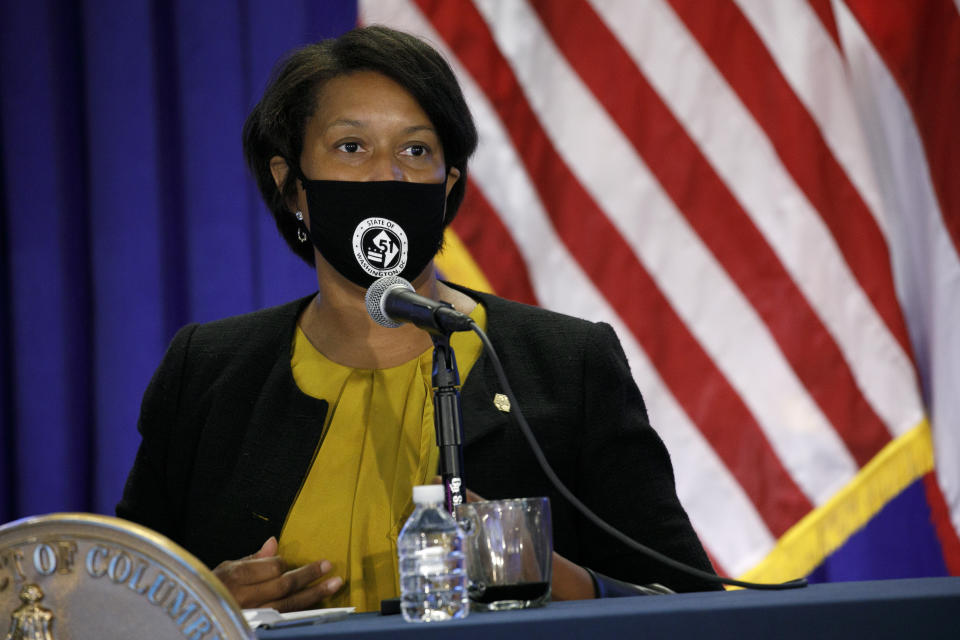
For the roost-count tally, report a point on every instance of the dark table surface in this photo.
(915, 608)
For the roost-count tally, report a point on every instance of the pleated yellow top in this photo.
(378, 442)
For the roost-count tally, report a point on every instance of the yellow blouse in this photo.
(377, 443)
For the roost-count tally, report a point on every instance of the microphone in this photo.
(391, 301)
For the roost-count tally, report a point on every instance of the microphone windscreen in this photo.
(376, 296)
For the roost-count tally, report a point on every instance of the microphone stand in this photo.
(448, 419)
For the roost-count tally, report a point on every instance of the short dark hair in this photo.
(275, 126)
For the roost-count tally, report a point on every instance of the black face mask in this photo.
(368, 230)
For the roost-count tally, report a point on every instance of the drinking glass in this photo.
(509, 549)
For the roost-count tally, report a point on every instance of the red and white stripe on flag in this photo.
(758, 197)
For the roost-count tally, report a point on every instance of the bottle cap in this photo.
(428, 494)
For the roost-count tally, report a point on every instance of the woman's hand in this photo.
(262, 580)
(570, 581)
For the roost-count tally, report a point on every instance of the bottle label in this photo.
(431, 560)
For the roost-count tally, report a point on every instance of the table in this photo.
(914, 608)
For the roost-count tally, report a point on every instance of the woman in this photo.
(281, 446)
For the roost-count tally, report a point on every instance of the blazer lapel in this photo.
(480, 415)
(282, 435)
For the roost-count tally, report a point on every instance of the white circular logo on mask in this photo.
(380, 247)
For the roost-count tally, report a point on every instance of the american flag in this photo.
(759, 197)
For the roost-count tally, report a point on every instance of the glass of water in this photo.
(509, 552)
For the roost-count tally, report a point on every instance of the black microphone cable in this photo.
(588, 513)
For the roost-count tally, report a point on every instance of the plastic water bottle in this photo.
(433, 575)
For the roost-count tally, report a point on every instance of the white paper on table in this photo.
(271, 618)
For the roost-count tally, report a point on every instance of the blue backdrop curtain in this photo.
(127, 212)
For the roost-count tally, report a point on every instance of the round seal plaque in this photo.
(75, 575)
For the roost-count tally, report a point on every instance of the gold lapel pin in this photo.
(502, 402)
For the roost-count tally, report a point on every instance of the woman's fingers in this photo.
(291, 582)
(265, 581)
(269, 548)
(249, 571)
(309, 597)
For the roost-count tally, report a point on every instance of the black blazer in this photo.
(228, 438)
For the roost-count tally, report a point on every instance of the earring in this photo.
(301, 234)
